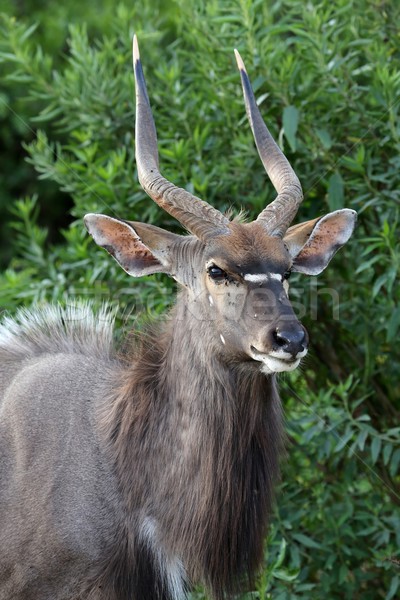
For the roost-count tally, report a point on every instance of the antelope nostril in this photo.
(292, 340)
(280, 338)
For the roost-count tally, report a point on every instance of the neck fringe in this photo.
(203, 456)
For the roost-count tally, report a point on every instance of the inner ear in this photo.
(314, 243)
(124, 242)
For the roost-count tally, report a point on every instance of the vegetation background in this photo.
(327, 77)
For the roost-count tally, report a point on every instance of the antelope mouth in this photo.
(276, 361)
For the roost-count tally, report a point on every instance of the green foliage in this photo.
(326, 76)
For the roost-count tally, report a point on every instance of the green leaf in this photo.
(281, 555)
(325, 138)
(360, 156)
(290, 124)
(28, 32)
(344, 440)
(305, 540)
(387, 451)
(362, 436)
(394, 463)
(394, 586)
(379, 283)
(351, 164)
(286, 574)
(368, 263)
(375, 449)
(335, 192)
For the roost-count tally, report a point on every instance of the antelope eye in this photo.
(286, 275)
(216, 273)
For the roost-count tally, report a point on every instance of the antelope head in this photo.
(235, 273)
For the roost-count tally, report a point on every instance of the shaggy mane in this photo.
(215, 520)
(75, 328)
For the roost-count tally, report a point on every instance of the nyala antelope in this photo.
(135, 474)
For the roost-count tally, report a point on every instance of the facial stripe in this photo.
(256, 278)
(262, 277)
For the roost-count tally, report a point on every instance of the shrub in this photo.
(326, 76)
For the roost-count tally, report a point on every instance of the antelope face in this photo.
(246, 287)
(236, 272)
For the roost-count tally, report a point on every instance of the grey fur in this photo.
(81, 500)
(54, 368)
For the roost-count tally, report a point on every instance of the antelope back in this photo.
(58, 493)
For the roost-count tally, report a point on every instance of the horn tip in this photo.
(135, 50)
(239, 61)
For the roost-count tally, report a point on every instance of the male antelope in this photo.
(134, 475)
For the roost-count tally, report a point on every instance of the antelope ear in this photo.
(139, 248)
(313, 244)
